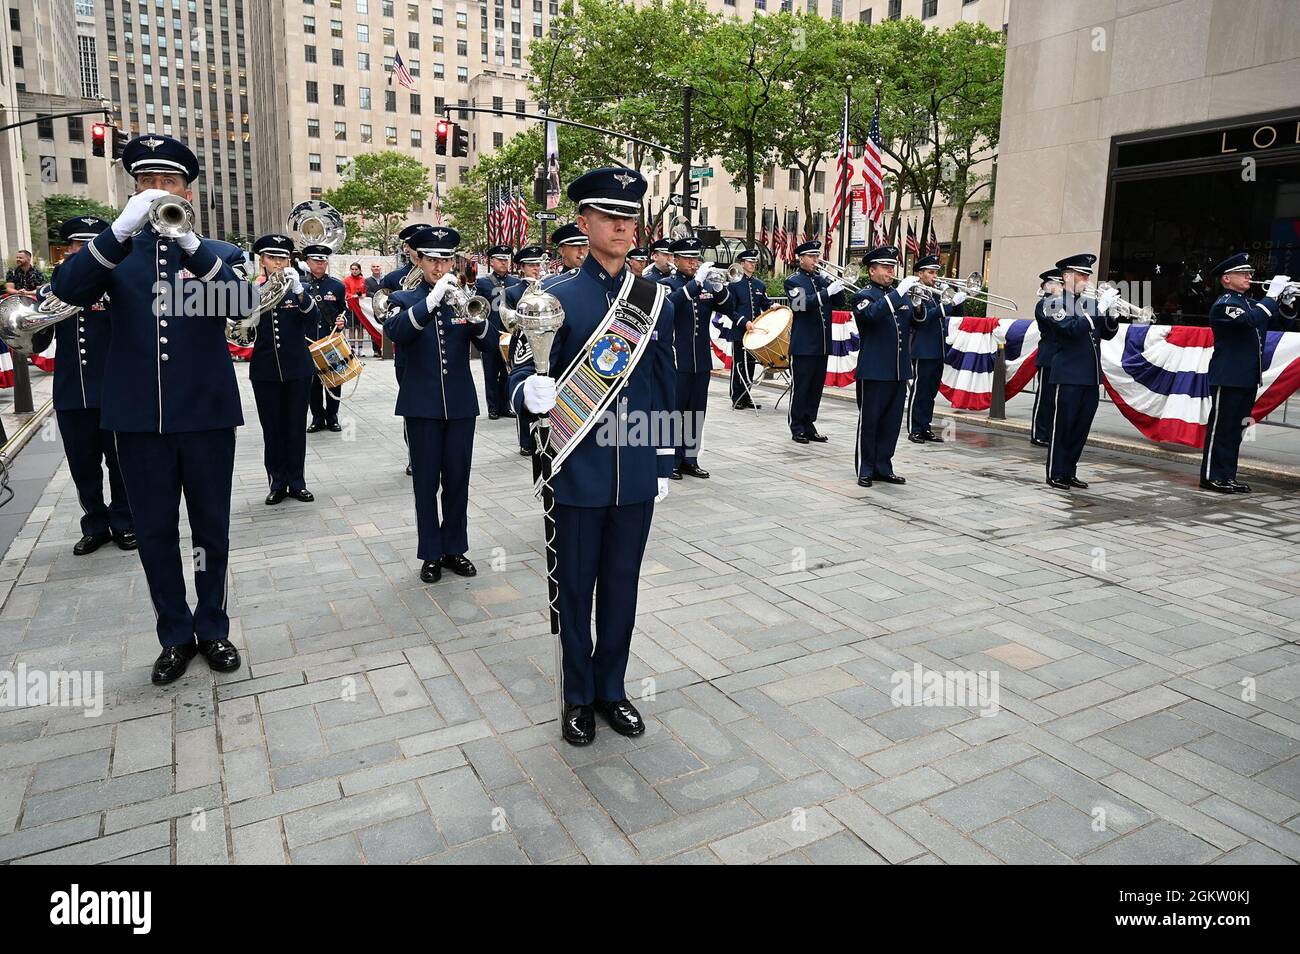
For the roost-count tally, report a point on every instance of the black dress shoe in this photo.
(125, 539)
(1058, 484)
(622, 717)
(1238, 486)
(800, 438)
(1037, 443)
(578, 725)
(675, 475)
(819, 438)
(315, 426)
(221, 654)
(509, 415)
(891, 478)
(459, 564)
(1218, 486)
(493, 415)
(171, 662)
(932, 438)
(1077, 483)
(274, 497)
(525, 452)
(864, 481)
(430, 571)
(305, 495)
(91, 542)
(334, 426)
(916, 438)
(408, 470)
(695, 470)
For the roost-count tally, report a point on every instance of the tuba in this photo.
(317, 223)
(21, 319)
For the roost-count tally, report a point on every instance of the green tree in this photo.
(380, 190)
(54, 210)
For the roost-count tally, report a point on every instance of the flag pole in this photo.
(844, 181)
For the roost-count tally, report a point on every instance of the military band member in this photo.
(697, 290)
(529, 261)
(638, 260)
(749, 296)
(438, 401)
(493, 286)
(1081, 324)
(812, 297)
(281, 372)
(1240, 325)
(571, 244)
(605, 491)
(393, 282)
(80, 353)
(928, 347)
(886, 318)
(170, 395)
(661, 266)
(331, 298)
(1049, 297)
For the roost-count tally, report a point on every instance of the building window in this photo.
(819, 182)
(413, 41)
(462, 74)
(415, 104)
(437, 16)
(837, 9)
(363, 95)
(340, 164)
(417, 138)
(309, 54)
(929, 8)
(363, 33)
(340, 131)
(45, 127)
(462, 20)
(390, 101)
(336, 57)
(812, 7)
(336, 29)
(313, 95)
(895, 9)
(520, 107)
(76, 130)
(367, 134)
(15, 21)
(340, 97)
(462, 48)
(498, 103)
(497, 140)
(363, 62)
(313, 162)
(79, 171)
(313, 128)
(769, 177)
(390, 135)
(742, 219)
(794, 180)
(413, 67)
(865, 17)
(309, 25)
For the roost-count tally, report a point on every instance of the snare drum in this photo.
(335, 362)
(505, 347)
(768, 337)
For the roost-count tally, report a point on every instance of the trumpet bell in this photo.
(171, 216)
(735, 273)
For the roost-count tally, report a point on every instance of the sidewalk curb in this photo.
(1274, 472)
(26, 431)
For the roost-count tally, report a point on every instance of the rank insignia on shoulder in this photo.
(1234, 312)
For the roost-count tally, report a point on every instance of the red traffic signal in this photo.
(442, 131)
(98, 134)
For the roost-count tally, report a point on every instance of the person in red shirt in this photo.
(354, 286)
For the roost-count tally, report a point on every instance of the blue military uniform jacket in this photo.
(929, 338)
(79, 355)
(393, 282)
(811, 333)
(885, 319)
(1046, 330)
(493, 289)
(1240, 327)
(165, 374)
(1078, 341)
(331, 301)
(437, 383)
(280, 348)
(693, 308)
(623, 471)
(652, 274)
(749, 300)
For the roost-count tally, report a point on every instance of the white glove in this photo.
(1107, 298)
(835, 287)
(539, 394)
(439, 290)
(294, 279)
(189, 242)
(958, 298)
(1275, 287)
(133, 216)
(663, 489)
(906, 284)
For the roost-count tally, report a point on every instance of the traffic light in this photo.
(98, 133)
(459, 140)
(442, 131)
(120, 139)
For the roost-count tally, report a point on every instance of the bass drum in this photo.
(768, 337)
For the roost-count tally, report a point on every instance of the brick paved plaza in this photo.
(1143, 635)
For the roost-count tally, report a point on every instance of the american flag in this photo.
(913, 245)
(873, 197)
(521, 218)
(932, 247)
(779, 239)
(402, 73)
(762, 238)
(842, 174)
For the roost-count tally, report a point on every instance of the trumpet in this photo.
(170, 216)
(849, 274)
(467, 307)
(1287, 296)
(734, 273)
(973, 287)
(1144, 315)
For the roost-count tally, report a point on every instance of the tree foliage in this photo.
(57, 209)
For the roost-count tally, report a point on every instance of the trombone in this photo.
(974, 289)
(1122, 308)
(1287, 296)
(849, 274)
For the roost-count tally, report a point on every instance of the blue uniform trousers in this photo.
(809, 372)
(598, 552)
(1044, 405)
(282, 411)
(496, 378)
(1229, 409)
(441, 452)
(85, 444)
(157, 469)
(742, 374)
(926, 375)
(1075, 407)
(692, 402)
(880, 417)
(324, 403)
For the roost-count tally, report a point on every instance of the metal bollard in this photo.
(998, 400)
(22, 384)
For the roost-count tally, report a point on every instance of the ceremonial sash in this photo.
(591, 382)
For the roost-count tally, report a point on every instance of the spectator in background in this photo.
(354, 286)
(376, 275)
(24, 278)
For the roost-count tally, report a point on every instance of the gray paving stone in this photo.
(1159, 844)
(401, 840)
(261, 843)
(461, 808)
(628, 798)
(96, 796)
(350, 814)
(339, 850)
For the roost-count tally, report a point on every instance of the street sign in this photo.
(693, 188)
(701, 172)
(546, 216)
(695, 202)
(675, 199)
